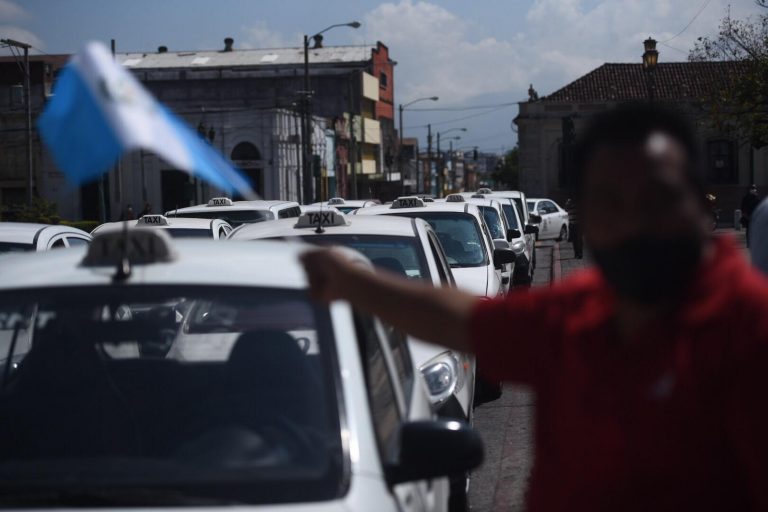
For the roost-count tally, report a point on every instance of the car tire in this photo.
(563, 233)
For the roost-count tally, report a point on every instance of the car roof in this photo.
(196, 262)
(428, 207)
(236, 205)
(355, 225)
(173, 222)
(28, 232)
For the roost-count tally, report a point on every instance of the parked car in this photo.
(554, 219)
(25, 237)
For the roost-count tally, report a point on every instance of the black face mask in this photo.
(650, 269)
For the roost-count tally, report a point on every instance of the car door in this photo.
(387, 403)
(548, 212)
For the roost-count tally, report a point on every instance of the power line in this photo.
(704, 6)
(457, 119)
(674, 48)
(461, 109)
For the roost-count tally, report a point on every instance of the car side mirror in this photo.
(432, 449)
(512, 234)
(503, 257)
(500, 244)
(530, 229)
(535, 219)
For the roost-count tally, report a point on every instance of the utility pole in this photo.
(400, 150)
(27, 112)
(118, 166)
(429, 160)
(307, 128)
(439, 170)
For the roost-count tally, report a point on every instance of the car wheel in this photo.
(563, 234)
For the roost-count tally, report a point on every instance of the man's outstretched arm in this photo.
(437, 315)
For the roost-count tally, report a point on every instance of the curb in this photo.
(556, 271)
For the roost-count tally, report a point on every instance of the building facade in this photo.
(548, 125)
(246, 103)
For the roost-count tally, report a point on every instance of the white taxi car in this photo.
(270, 400)
(181, 227)
(408, 247)
(503, 236)
(239, 212)
(347, 205)
(467, 242)
(554, 219)
(26, 236)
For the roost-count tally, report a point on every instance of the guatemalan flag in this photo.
(100, 111)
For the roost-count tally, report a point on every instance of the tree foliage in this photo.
(507, 172)
(739, 104)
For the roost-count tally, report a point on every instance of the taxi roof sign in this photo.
(455, 198)
(136, 246)
(407, 202)
(484, 191)
(320, 219)
(153, 220)
(335, 200)
(478, 196)
(220, 201)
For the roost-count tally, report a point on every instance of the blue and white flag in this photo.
(100, 111)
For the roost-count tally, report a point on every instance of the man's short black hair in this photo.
(630, 125)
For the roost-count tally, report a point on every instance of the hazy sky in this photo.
(468, 52)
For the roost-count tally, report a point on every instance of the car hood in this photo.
(422, 352)
(472, 280)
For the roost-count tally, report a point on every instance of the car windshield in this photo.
(347, 209)
(399, 254)
(459, 234)
(189, 233)
(531, 206)
(494, 222)
(15, 247)
(234, 218)
(509, 213)
(173, 395)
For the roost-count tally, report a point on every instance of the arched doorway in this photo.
(247, 157)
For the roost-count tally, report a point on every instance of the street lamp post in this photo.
(650, 60)
(400, 148)
(307, 131)
(440, 156)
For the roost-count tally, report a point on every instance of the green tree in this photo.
(507, 172)
(739, 103)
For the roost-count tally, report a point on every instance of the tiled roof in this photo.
(674, 81)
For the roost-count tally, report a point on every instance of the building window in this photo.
(383, 80)
(721, 157)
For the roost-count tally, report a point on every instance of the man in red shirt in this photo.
(651, 369)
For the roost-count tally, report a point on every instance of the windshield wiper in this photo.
(104, 497)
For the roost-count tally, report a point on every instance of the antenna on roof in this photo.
(124, 265)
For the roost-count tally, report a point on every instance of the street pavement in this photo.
(506, 425)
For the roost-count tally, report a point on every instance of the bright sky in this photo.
(467, 52)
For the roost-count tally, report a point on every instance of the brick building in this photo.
(728, 164)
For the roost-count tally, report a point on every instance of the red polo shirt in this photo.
(674, 419)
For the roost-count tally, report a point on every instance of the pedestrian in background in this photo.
(147, 209)
(758, 234)
(127, 214)
(574, 229)
(748, 204)
(650, 369)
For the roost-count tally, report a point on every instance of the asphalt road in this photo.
(506, 426)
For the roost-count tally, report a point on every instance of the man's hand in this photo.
(327, 271)
(437, 315)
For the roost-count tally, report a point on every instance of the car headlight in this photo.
(442, 377)
(518, 246)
